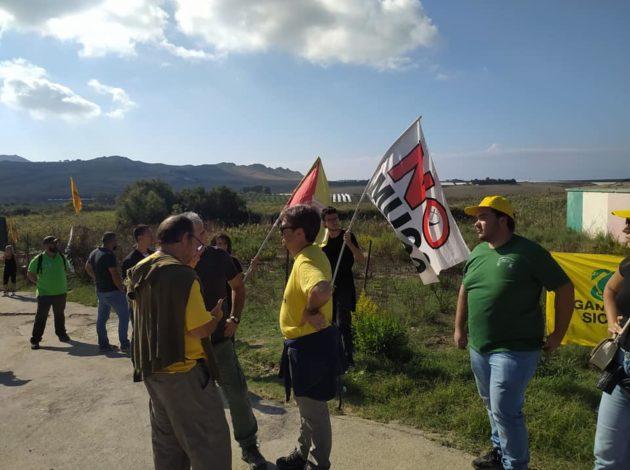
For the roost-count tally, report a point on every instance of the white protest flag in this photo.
(407, 191)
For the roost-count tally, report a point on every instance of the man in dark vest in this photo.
(170, 320)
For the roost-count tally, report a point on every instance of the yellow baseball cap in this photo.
(498, 203)
(624, 214)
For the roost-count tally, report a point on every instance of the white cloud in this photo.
(189, 54)
(5, 21)
(26, 86)
(123, 104)
(379, 33)
(100, 26)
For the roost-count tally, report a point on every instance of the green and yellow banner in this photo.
(589, 274)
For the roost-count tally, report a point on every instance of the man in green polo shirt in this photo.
(48, 271)
(500, 300)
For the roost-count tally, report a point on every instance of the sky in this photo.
(534, 90)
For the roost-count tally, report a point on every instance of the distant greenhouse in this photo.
(589, 210)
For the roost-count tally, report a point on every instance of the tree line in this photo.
(151, 201)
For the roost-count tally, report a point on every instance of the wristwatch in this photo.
(234, 319)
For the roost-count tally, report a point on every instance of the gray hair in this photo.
(194, 218)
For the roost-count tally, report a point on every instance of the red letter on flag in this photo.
(416, 189)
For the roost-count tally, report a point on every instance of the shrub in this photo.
(220, 205)
(378, 333)
(145, 202)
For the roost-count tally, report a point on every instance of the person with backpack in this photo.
(48, 271)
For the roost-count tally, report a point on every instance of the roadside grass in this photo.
(434, 390)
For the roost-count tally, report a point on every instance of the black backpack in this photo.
(40, 258)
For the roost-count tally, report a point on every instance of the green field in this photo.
(433, 389)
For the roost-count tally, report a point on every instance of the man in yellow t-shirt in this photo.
(311, 342)
(170, 320)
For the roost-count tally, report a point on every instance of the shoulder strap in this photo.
(40, 258)
(39, 262)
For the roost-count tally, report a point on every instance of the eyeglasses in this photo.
(285, 227)
(201, 245)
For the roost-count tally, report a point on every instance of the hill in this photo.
(25, 181)
(12, 158)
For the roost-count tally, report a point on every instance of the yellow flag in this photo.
(13, 234)
(589, 274)
(76, 200)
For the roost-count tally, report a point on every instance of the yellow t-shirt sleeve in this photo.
(310, 275)
(196, 313)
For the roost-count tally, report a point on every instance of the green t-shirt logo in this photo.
(601, 277)
(505, 261)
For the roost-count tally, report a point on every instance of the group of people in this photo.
(187, 302)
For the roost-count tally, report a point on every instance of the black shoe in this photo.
(108, 348)
(64, 339)
(293, 461)
(34, 345)
(312, 466)
(492, 460)
(125, 348)
(254, 458)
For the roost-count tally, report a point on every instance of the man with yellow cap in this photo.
(499, 299)
(624, 214)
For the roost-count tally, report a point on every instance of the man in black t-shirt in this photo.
(216, 271)
(344, 296)
(102, 267)
(143, 235)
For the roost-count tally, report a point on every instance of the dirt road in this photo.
(66, 406)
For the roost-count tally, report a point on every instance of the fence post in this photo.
(367, 265)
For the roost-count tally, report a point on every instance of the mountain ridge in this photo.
(12, 158)
(22, 180)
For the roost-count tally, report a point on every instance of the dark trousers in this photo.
(44, 302)
(343, 304)
(9, 274)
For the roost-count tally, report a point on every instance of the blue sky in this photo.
(532, 90)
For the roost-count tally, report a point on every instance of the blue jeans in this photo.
(612, 437)
(502, 378)
(118, 301)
